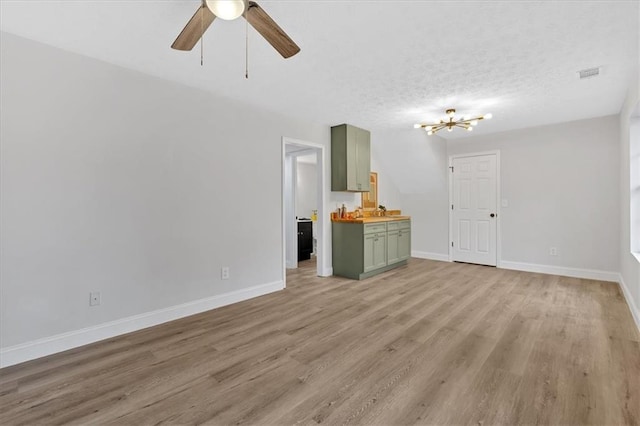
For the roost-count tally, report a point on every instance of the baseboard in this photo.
(431, 256)
(49, 345)
(591, 274)
(635, 312)
(327, 272)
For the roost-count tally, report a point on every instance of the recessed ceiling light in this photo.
(589, 72)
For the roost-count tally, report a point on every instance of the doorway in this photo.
(293, 149)
(474, 216)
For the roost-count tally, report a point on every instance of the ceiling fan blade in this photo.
(271, 32)
(194, 29)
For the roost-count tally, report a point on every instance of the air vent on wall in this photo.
(589, 72)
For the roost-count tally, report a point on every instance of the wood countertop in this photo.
(373, 219)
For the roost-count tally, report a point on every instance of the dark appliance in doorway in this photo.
(305, 240)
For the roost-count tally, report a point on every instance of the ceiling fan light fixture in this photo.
(257, 17)
(227, 9)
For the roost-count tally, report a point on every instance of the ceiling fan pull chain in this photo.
(246, 50)
(202, 34)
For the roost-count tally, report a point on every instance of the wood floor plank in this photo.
(512, 351)
(428, 343)
(489, 400)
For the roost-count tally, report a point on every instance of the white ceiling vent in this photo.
(589, 72)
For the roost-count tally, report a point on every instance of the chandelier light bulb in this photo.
(474, 123)
(469, 129)
(417, 126)
(488, 116)
(227, 9)
(449, 129)
(429, 133)
(428, 128)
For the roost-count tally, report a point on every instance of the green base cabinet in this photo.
(363, 250)
(375, 248)
(398, 241)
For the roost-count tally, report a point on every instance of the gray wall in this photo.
(306, 189)
(143, 189)
(561, 183)
(130, 185)
(416, 167)
(629, 265)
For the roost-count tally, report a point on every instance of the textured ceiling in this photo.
(375, 64)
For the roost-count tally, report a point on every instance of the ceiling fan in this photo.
(229, 10)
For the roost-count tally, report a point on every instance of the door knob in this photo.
(492, 215)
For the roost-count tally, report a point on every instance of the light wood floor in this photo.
(428, 343)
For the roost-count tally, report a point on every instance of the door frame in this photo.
(498, 201)
(289, 195)
(321, 158)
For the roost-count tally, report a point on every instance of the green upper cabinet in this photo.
(350, 158)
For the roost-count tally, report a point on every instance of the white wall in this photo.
(629, 265)
(388, 194)
(140, 188)
(306, 189)
(414, 166)
(561, 183)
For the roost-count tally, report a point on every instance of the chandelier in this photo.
(463, 122)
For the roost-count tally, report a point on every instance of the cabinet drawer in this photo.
(398, 224)
(371, 228)
(393, 226)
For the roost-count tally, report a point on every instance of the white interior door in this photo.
(474, 205)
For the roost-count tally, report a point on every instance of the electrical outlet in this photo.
(94, 298)
(224, 273)
(553, 251)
